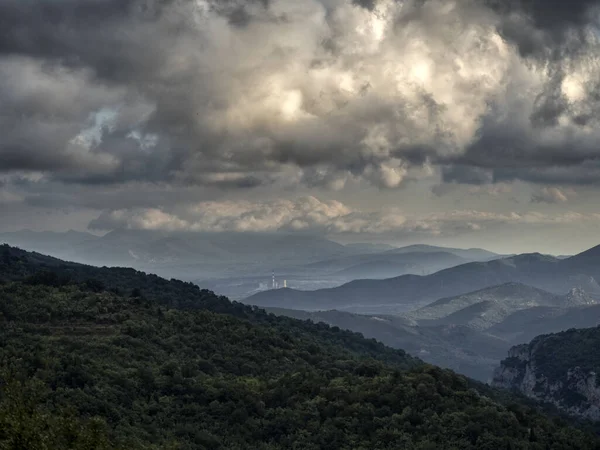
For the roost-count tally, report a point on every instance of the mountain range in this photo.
(409, 292)
(239, 264)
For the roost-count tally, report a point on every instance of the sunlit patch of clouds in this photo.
(552, 195)
(309, 214)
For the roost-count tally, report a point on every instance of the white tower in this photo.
(284, 283)
(273, 285)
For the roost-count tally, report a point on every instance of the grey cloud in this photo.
(367, 4)
(545, 28)
(550, 195)
(550, 15)
(442, 189)
(309, 214)
(306, 214)
(586, 173)
(215, 82)
(488, 190)
(466, 175)
(246, 94)
(548, 136)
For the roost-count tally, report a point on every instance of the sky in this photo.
(468, 123)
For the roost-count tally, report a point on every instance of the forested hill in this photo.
(113, 358)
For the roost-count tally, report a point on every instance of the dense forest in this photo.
(94, 358)
(556, 353)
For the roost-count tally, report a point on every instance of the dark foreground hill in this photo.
(107, 358)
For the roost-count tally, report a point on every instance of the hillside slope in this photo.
(459, 348)
(472, 332)
(164, 363)
(485, 308)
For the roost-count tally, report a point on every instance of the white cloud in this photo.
(303, 214)
(552, 195)
(309, 214)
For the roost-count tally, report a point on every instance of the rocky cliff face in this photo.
(574, 389)
(578, 297)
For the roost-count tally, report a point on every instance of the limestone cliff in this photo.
(559, 368)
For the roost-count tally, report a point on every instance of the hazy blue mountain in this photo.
(138, 247)
(58, 244)
(523, 326)
(157, 247)
(411, 291)
(239, 264)
(472, 254)
(377, 269)
(361, 265)
(486, 307)
(369, 247)
(184, 254)
(327, 273)
(585, 263)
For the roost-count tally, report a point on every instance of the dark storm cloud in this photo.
(166, 70)
(108, 35)
(554, 16)
(367, 4)
(466, 175)
(541, 27)
(552, 142)
(239, 94)
(587, 173)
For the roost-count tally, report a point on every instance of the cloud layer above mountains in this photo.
(320, 92)
(308, 214)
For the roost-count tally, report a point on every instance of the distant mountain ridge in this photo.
(239, 263)
(474, 254)
(410, 291)
(369, 247)
(57, 243)
(487, 307)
